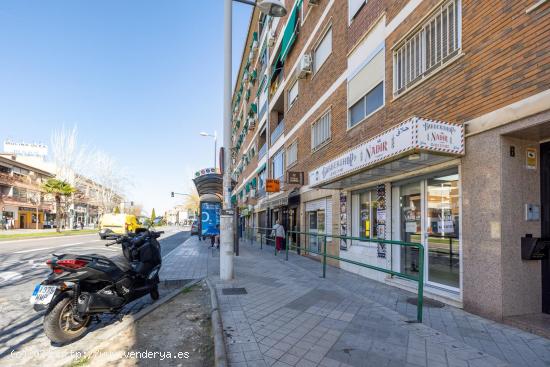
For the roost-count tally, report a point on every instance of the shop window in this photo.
(434, 44)
(429, 213)
(366, 212)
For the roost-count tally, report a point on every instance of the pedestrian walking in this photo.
(279, 233)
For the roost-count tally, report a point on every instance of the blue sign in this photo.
(210, 219)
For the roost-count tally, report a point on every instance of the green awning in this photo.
(247, 188)
(253, 76)
(247, 95)
(262, 167)
(238, 124)
(253, 108)
(234, 199)
(290, 31)
(254, 182)
(260, 87)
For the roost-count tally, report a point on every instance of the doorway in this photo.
(22, 221)
(426, 210)
(545, 220)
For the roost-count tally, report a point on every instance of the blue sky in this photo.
(139, 78)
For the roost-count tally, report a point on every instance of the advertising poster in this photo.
(381, 219)
(210, 219)
(343, 220)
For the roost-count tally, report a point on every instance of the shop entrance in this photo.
(545, 220)
(22, 219)
(427, 211)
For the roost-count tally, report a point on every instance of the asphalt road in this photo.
(22, 266)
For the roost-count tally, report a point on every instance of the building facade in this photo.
(422, 121)
(23, 202)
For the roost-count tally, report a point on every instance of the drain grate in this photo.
(430, 303)
(233, 291)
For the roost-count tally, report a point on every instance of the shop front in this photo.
(403, 184)
(30, 218)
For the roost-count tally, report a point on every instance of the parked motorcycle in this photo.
(82, 286)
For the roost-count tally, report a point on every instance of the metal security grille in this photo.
(233, 291)
(320, 131)
(436, 42)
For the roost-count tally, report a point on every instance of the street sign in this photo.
(228, 212)
(272, 185)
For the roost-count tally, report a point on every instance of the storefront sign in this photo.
(414, 134)
(295, 178)
(26, 149)
(272, 185)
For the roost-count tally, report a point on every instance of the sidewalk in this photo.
(290, 316)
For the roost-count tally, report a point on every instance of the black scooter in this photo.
(81, 286)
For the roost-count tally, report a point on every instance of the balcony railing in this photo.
(277, 132)
(262, 151)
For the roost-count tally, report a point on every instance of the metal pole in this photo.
(226, 220)
(215, 151)
(287, 243)
(420, 301)
(325, 257)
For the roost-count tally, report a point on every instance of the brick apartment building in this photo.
(420, 120)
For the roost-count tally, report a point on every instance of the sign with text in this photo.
(272, 185)
(411, 135)
(26, 149)
(295, 178)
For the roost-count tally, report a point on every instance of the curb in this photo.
(131, 319)
(220, 354)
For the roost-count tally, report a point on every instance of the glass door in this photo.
(442, 230)
(410, 204)
(312, 228)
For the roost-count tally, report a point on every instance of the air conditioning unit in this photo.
(271, 39)
(251, 123)
(254, 46)
(314, 2)
(252, 193)
(305, 66)
(245, 77)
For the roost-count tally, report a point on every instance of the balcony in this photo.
(277, 132)
(262, 151)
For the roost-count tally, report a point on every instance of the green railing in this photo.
(251, 233)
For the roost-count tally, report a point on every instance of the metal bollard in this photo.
(325, 257)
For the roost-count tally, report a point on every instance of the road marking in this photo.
(9, 275)
(47, 238)
(53, 247)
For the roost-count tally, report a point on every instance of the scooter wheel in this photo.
(155, 293)
(60, 326)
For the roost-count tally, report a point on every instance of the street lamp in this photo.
(274, 8)
(215, 136)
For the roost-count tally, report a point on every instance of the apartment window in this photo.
(292, 94)
(322, 51)
(278, 165)
(292, 154)
(367, 105)
(434, 44)
(353, 7)
(320, 131)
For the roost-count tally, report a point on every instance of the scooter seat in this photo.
(121, 262)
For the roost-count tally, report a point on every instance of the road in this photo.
(22, 266)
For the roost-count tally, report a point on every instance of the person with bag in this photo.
(279, 233)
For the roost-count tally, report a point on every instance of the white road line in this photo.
(53, 247)
(47, 238)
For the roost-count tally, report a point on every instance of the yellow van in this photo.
(112, 225)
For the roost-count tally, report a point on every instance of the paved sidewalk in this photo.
(292, 317)
(187, 261)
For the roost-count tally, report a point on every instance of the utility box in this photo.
(534, 248)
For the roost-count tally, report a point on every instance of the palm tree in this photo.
(153, 217)
(59, 189)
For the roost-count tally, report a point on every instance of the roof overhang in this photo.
(209, 183)
(413, 144)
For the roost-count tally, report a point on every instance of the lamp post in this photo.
(274, 8)
(215, 136)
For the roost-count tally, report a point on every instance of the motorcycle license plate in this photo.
(42, 294)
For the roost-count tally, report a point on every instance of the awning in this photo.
(261, 168)
(291, 31)
(253, 108)
(210, 183)
(413, 144)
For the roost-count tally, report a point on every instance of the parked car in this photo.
(115, 225)
(195, 228)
